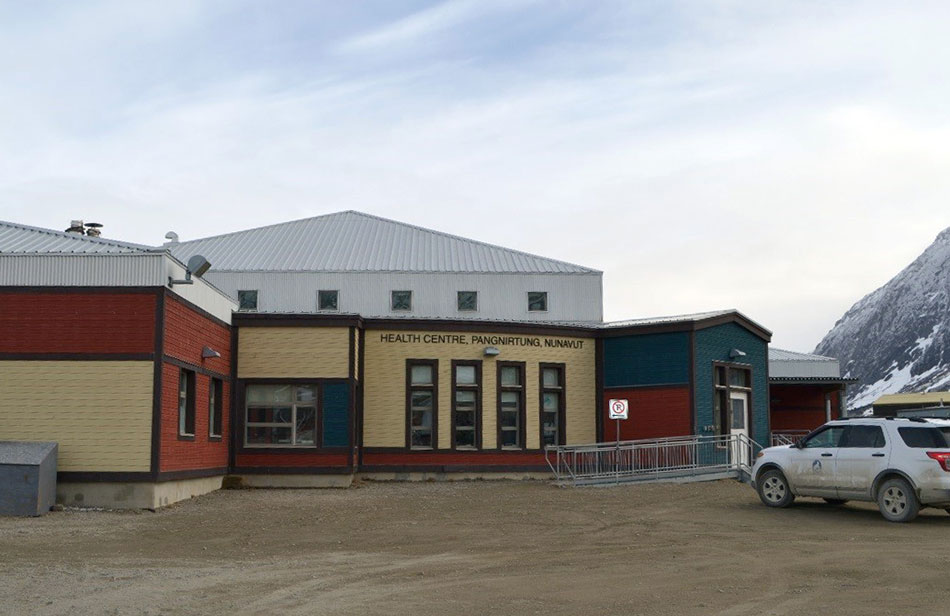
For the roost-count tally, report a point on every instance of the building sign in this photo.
(618, 409)
(482, 339)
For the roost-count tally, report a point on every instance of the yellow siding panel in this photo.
(384, 385)
(293, 352)
(100, 412)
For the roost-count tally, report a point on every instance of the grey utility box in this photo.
(27, 477)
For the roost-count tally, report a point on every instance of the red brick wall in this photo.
(186, 333)
(80, 322)
(800, 407)
(655, 412)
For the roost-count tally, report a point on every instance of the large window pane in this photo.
(268, 435)
(269, 394)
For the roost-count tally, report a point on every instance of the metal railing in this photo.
(666, 458)
(787, 437)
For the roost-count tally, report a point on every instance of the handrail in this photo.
(679, 456)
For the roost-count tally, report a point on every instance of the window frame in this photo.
(186, 404)
(562, 402)
(724, 389)
(337, 301)
(521, 390)
(215, 408)
(547, 304)
(257, 300)
(317, 417)
(434, 387)
(392, 303)
(477, 388)
(458, 297)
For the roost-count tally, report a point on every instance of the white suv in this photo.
(902, 464)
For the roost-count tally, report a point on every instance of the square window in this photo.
(552, 377)
(401, 300)
(247, 300)
(511, 377)
(537, 301)
(421, 375)
(467, 301)
(328, 300)
(465, 375)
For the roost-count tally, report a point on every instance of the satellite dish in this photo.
(198, 265)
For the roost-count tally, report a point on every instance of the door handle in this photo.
(826, 455)
(877, 455)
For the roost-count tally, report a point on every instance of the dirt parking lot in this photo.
(477, 548)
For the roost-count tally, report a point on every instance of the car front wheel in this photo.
(774, 490)
(897, 501)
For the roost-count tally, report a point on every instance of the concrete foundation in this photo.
(134, 495)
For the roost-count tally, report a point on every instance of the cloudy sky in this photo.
(782, 158)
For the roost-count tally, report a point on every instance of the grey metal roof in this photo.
(23, 239)
(679, 318)
(784, 355)
(356, 242)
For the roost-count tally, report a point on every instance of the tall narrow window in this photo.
(552, 404)
(537, 301)
(328, 300)
(186, 403)
(466, 404)
(247, 300)
(467, 301)
(400, 301)
(215, 407)
(511, 416)
(280, 416)
(421, 403)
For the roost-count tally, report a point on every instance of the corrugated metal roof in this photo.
(776, 354)
(680, 318)
(22, 239)
(353, 242)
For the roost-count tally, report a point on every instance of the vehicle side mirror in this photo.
(800, 443)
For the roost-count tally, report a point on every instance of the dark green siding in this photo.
(336, 412)
(648, 359)
(714, 344)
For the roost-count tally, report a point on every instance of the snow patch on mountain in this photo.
(897, 339)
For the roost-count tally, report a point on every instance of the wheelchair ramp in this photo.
(675, 459)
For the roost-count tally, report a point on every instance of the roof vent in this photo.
(172, 238)
(76, 226)
(93, 229)
(79, 228)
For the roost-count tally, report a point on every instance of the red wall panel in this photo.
(187, 331)
(456, 459)
(276, 458)
(800, 407)
(655, 412)
(80, 322)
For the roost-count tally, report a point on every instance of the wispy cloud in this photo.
(703, 155)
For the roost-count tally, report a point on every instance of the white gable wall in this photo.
(571, 297)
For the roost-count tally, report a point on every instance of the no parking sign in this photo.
(618, 409)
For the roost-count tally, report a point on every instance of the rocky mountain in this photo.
(897, 339)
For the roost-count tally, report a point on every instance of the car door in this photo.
(864, 452)
(812, 463)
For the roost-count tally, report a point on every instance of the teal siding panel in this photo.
(714, 344)
(336, 414)
(647, 359)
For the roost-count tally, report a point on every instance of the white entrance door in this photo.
(739, 424)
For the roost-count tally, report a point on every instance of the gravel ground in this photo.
(477, 548)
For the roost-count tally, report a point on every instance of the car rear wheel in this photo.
(897, 501)
(774, 490)
(835, 501)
